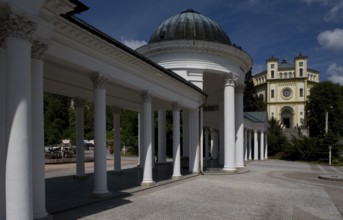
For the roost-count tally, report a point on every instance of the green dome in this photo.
(189, 25)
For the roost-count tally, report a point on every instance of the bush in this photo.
(311, 148)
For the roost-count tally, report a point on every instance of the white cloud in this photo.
(335, 13)
(335, 73)
(331, 39)
(134, 44)
(336, 9)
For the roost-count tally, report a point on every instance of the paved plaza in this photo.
(271, 190)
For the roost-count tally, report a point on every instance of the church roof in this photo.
(190, 25)
(285, 65)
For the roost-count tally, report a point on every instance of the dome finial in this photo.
(190, 10)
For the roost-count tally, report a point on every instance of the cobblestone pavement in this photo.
(271, 190)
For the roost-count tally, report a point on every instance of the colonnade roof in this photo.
(256, 116)
(84, 25)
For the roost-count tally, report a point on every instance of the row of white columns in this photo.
(255, 145)
(22, 142)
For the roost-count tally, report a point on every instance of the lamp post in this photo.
(327, 120)
(330, 147)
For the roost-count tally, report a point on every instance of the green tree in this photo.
(277, 141)
(56, 118)
(249, 95)
(129, 129)
(325, 97)
(261, 105)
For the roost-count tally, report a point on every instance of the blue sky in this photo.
(261, 27)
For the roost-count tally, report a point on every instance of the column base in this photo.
(229, 169)
(48, 217)
(83, 177)
(177, 177)
(100, 195)
(239, 165)
(148, 183)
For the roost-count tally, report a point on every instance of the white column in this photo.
(246, 141)
(250, 144)
(2, 131)
(162, 136)
(185, 130)
(194, 145)
(116, 137)
(207, 141)
(239, 122)
(141, 154)
(38, 161)
(176, 142)
(100, 168)
(262, 146)
(266, 147)
(214, 137)
(229, 123)
(80, 152)
(18, 119)
(147, 113)
(201, 144)
(212, 142)
(221, 133)
(255, 145)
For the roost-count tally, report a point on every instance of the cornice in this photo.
(99, 48)
(239, 56)
(108, 51)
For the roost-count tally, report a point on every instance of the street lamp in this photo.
(327, 121)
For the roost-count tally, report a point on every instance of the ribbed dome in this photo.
(189, 25)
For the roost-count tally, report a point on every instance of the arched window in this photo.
(301, 72)
(272, 73)
(272, 93)
(301, 92)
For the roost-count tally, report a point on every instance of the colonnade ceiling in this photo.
(74, 81)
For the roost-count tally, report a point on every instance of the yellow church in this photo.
(285, 87)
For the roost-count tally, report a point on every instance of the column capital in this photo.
(176, 106)
(230, 80)
(13, 24)
(146, 97)
(99, 81)
(38, 49)
(79, 102)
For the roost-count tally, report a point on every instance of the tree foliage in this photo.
(261, 105)
(277, 141)
(56, 118)
(249, 95)
(325, 97)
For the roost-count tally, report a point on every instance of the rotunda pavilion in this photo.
(198, 49)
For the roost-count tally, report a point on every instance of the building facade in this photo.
(285, 87)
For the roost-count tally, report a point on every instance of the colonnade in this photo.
(255, 144)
